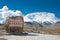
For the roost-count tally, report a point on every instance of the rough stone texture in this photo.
(14, 24)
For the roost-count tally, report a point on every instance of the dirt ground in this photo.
(31, 36)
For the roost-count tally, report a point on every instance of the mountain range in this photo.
(36, 20)
(44, 25)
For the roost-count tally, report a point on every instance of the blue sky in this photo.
(29, 6)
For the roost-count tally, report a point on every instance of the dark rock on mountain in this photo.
(57, 23)
(33, 24)
(47, 23)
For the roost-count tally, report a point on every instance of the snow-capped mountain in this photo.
(47, 20)
(41, 17)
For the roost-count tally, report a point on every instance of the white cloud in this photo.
(41, 17)
(5, 12)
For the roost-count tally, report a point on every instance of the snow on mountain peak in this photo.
(40, 17)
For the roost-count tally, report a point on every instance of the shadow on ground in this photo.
(23, 34)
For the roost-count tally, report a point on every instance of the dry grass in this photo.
(49, 31)
(52, 31)
(29, 30)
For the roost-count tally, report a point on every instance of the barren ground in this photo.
(31, 36)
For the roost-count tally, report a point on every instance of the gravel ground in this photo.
(31, 36)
